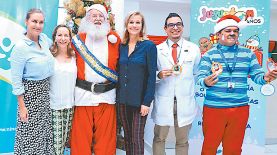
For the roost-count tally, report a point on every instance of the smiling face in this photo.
(96, 17)
(34, 25)
(134, 25)
(228, 36)
(62, 37)
(174, 28)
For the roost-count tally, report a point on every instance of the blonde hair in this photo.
(54, 48)
(142, 34)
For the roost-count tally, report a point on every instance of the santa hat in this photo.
(100, 8)
(226, 21)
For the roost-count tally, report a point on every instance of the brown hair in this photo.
(54, 47)
(142, 34)
(31, 11)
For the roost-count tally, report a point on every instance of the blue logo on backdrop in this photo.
(5, 55)
(7, 127)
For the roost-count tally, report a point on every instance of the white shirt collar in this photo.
(170, 42)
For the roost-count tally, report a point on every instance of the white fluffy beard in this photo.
(96, 32)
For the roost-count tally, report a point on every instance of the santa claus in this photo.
(94, 120)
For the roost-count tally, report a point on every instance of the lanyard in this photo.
(230, 70)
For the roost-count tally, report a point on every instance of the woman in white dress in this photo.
(62, 85)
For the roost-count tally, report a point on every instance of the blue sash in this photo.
(92, 61)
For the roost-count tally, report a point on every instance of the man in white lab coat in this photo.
(174, 103)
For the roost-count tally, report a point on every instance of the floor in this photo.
(270, 150)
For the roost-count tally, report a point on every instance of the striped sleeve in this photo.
(204, 69)
(256, 71)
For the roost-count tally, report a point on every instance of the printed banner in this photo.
(12, 19)
(254, 36)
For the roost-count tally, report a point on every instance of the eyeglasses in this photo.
(172, 25)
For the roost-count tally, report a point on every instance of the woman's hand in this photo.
(144, 110)
(23, 111)
(23, 114)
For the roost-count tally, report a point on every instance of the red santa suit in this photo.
(94, 118)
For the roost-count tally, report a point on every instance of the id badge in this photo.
(231, 85)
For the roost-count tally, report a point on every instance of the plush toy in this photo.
(204, 45)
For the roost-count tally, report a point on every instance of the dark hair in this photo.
(54, 47)
(170, 16)
(31, 11)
